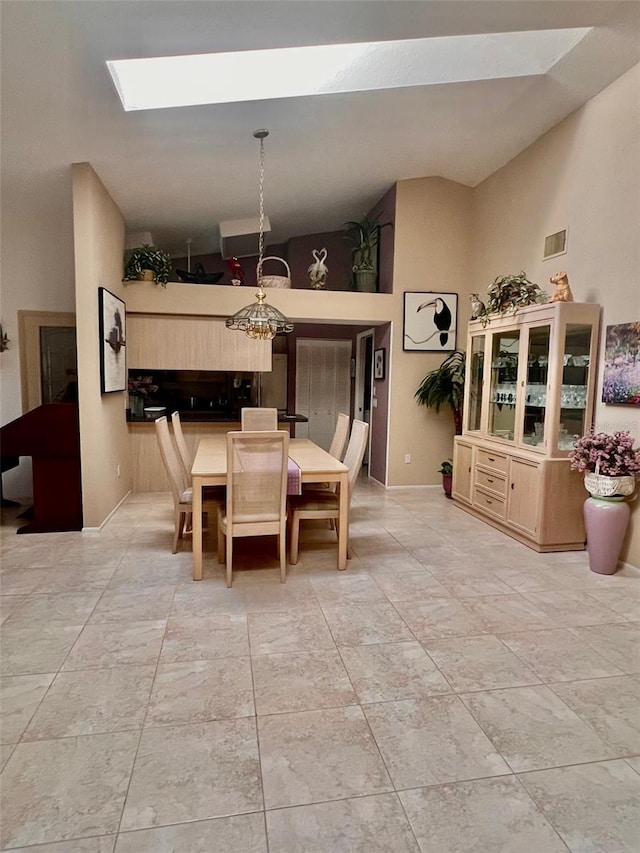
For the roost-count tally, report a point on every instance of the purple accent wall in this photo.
(338, 259)
(386, 211)
(380, 413)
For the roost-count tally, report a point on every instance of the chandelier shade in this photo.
(260, 320)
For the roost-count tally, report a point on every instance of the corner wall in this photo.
(432, 253)
(583, 175)
(104, 441)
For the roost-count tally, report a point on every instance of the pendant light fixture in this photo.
(260, 320)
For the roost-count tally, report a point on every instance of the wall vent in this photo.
(555, 244)
(239, 237)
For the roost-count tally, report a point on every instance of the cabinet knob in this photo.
(492, 459)
(489, 480)
(513, 485)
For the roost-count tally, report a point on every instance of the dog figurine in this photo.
(562, 292)
(477, 306)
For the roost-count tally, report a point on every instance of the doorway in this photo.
(364, 383)
(48, 357)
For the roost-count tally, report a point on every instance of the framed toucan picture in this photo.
(430, 321)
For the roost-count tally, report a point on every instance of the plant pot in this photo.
(146, 275)
(447, 480)
(136, 404)
(605, 521)
(366, 281)
(603, 486)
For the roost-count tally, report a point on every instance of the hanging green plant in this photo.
(510, 292)
(146, 257)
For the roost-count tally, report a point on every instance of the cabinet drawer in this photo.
(489, 503)
(495, 461)
(490, 480)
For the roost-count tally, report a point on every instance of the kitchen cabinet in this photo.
(167, 342)
(529, 392)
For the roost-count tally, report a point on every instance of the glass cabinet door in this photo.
(575, 377)
(475, 372)
(535, 401)
(504, 373)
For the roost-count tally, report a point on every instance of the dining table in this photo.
(316, 466)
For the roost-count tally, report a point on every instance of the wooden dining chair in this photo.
(256, 503)
(340, 436)
(183, 451)
(181, 490)
(259, 419)
(325, 503)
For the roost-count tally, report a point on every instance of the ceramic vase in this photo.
(136, 404)
(605, 520)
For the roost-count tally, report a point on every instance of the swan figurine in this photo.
(318, 270)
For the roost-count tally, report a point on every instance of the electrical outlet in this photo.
(118, 470)
(407, 458)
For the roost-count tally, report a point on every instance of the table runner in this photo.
(294, 486)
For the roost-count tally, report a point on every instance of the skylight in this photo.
(257, 75)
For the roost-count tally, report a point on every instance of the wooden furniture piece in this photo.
(181, 491)
(259, 418)
(324, 503)
(316, 466)
(181, 445)
(50, 434)
(340, 436)
(256, 502)
(529, 391)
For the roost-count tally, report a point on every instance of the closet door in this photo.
(323, 386)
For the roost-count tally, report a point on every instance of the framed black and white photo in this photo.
(113, 363)
(378, 363)
(430, 321)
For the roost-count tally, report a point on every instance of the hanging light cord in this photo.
(261, 135)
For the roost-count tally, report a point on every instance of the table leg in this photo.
(343, 521)
(196, 529)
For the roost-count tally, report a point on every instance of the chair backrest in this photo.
(355, 451)
(256, 419)
(170, 458)
(340, 436)
(183, 451)
(257, 467)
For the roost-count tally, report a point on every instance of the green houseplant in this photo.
(444, 386)
(364, 237)
(145, 259)
(510, 292)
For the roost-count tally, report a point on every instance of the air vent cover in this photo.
(239, 237)
(555, 244)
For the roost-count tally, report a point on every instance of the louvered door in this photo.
(323, 386)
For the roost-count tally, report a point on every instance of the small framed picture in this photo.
(113, 365)
(430, 321)
(378, 363)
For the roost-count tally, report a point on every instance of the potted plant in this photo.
(146, 263)
(141, 389)
(510, 292)
(611, 466)
(444, 386)
(446, 469)
(364, 236)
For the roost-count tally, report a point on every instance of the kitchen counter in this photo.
(208, 417)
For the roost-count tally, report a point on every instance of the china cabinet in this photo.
(529, 392)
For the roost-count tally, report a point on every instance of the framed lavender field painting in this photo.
(621, 378)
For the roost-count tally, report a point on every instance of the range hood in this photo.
(239, 237)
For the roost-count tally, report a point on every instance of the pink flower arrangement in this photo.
(611, 455)
(141, 386)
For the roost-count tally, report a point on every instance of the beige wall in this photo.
(583, 175)
(104, 439)
(432, 252)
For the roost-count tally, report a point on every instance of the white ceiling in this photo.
(329, 158)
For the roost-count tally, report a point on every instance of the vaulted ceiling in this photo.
(178, 172)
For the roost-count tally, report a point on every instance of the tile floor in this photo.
(452, 691)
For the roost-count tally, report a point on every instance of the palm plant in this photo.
(364, 237)
(444, 386)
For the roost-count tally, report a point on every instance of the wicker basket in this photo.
(274, 280)
(602, 486)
